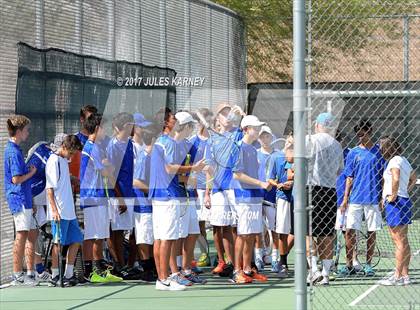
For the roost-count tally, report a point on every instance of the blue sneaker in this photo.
(181, 280)
(260, 264)
(368, 271)
(195, 279)
(275, 266)
(197, 270)
(346, 271)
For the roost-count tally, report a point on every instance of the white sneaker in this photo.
(391, 281)
(357, 266)
(283, 272)
(407, 280)
(30, 281)
(43, 277)
(316, 277)
(175, 286)
(18, 280)
(161, 286)
(325, 281)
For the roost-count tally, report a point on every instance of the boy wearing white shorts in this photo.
(120, 155)
(143, 219)
(248, 194)
(364, 170)
(94, 202)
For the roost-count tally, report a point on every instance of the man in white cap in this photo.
(249, 195)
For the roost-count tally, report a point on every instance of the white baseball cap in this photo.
(184, 118)
(251, 120)
(266, 129)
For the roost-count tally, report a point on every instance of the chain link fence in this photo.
(363, 60)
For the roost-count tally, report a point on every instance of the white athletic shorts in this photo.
(40, 217)
(283, 217)
(203, 212)
(249, 218)
(269, 215)
(372, 214)
(341, 220)
(96, 222)
(23, 219)
(124, 221)
(188, 224)
(40, 199)
(222, 212)
(166, 217)
(143, 225)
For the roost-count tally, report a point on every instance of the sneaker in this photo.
(96, 277)
(203, 260)
(357, 266)
(18, 280)
(219, 268)
(67, 282)
(260, 264)
(259, 277)
(30, 280)
(240, 278)
(162, 286)
(391, 281)
(54, 281)
(346, 271)
(195, 279)
(43, 277)
(227, 271)
(407, 280)
(197, 270)
(282, 272)
(131, 273)
(111, 277)
(324, 282)
(148, 276)
(314, 277)
(275, 266)
(368, 271)
(180, 279)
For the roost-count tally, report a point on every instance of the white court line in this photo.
(375, 286)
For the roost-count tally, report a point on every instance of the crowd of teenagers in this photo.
(148, 190)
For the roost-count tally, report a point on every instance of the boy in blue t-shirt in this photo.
(266, 156)
(17, 186)
(281, 176)
(120, 155)
(143, 222)
(364, 169)
(249, 194)
(94, 202)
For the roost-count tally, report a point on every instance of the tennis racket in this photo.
(224, 148)
(184, 206)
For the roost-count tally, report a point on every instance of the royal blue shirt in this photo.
(83, 138)
(142, 173)
(265, 162)
(162, 185)
(223, 176)
(366, 167)
(38, 159)
(199, 147)
(247, 164)
(92, 185)
(18, 196)
(121, 156)
(279, 173)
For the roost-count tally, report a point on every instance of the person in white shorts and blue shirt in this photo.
(364, 170)
(143, 219)
(61, 210)
(399, 180)
(17, 187)
(120, 155)
(249, 195)
(266, 156)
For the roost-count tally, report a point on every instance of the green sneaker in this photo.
(111, 278)
(203, 260)
(95, 277)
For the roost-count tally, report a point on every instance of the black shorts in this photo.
(324, 212)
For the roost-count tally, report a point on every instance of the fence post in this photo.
(299, 126)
